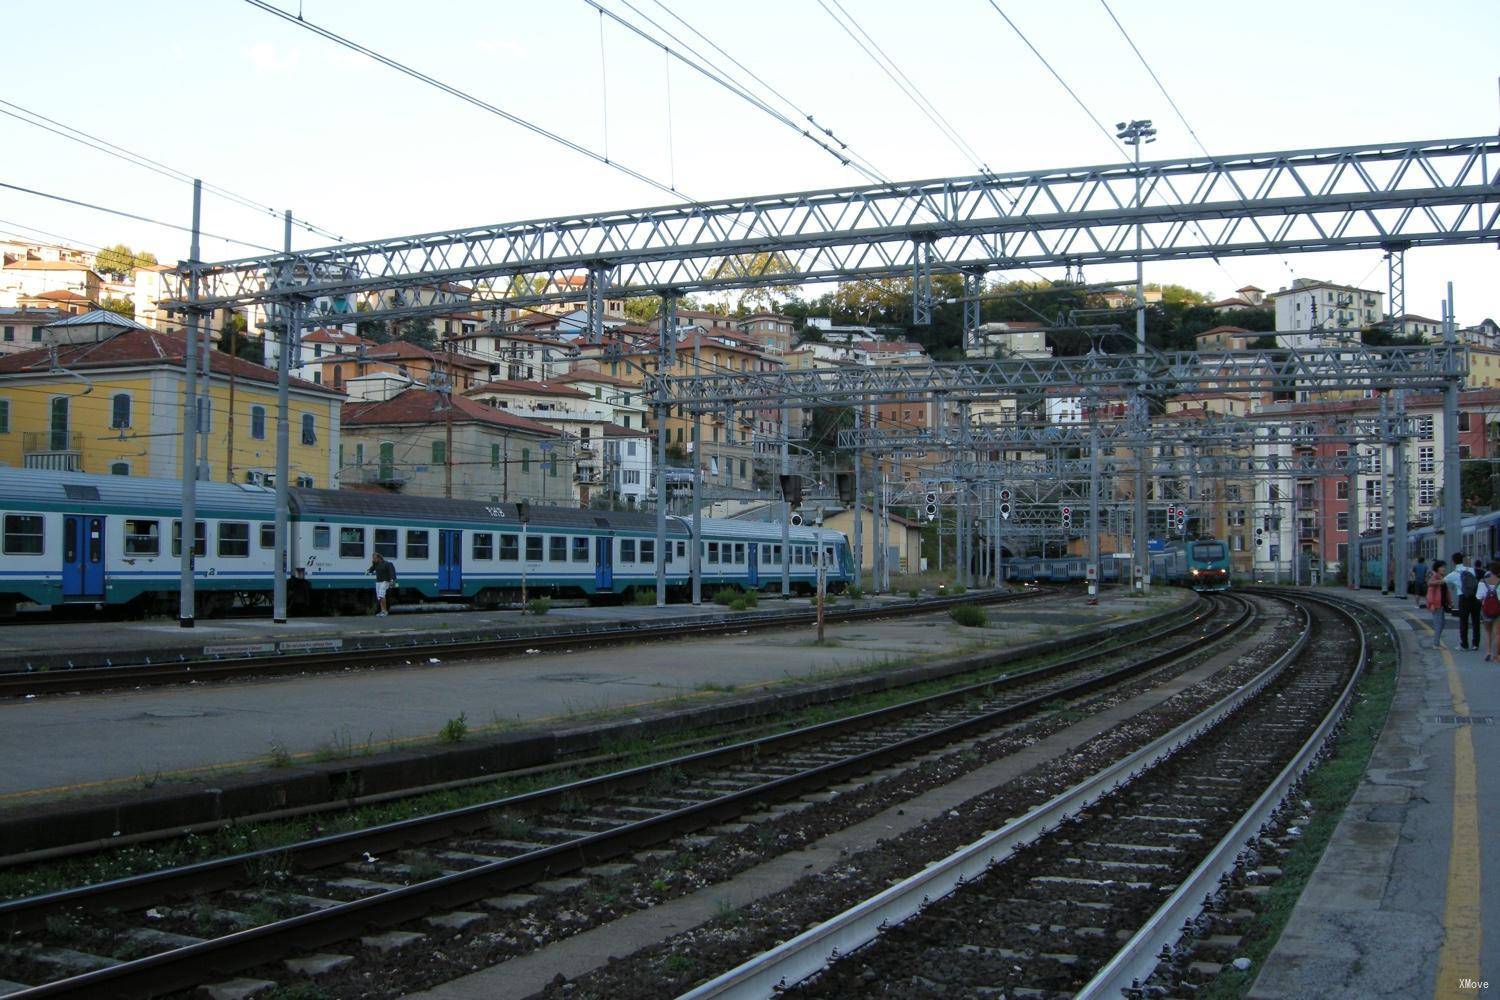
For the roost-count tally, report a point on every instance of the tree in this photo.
(420, 332)
(125, 306)
(1180, 295)
(755, 265)
(643, 309)
(235, 339)
(1477, 485)
(867, 299)
(120, 261)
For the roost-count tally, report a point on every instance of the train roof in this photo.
(84, 491)
(357, 504)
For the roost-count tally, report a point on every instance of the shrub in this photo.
(644, 597)
(726, 595)
(914, 593)
(739, 604)
(958, 589)
(969, 615)
(455, 729)
(751, 598)
(854, 592)
(539, 605)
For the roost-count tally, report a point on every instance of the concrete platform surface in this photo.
(1395, 908)
(55, 746)
(60, 644)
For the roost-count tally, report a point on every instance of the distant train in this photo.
(1481, 540)
(72, 538)
(1201, 564)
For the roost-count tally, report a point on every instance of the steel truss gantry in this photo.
(1433, 192)
(1307, 369)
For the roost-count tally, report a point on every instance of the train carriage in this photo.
(111, 540)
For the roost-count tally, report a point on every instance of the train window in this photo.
(713, 552)
(533, 548)
(142, 538)
(484, 545)
(627, 550)
(797, 557)
(268, 535)
(557, 548)
(23, 534)
(322, 536)
(1208, 550)
(510, 547)
(682, 550)
(580, 549)
(200, 538)
(648, 550)
(234, 539)
(352, 543)
(416, 544)
(385, 542)
(739, 552)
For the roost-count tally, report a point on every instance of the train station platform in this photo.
(1397, 907)
(60, 645)
(67, 745)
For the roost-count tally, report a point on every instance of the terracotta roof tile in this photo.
(426, 406)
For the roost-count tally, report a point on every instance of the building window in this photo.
(580, 549)
(359, 454)
(1463, 420)
(557, 548)
(494, 456)
(119, 410)
(387, 461)
(1341, 490)
(10, 334)
(200, 538)
(510, 547)
(1426, 492)
(304, 482)
(119, 469)
(234, 539)
(416, 544)
(438, 453)
(552, 470)
(36, 335)
(1424, 428)
(23, 534)
(385, 543)
(59, 424)
(484, 545)
(309, 434)
(4, 416)
(352, 543)
(1341, 521)
(1426, 460)
(1372, 519)
(1465, 453)
(533, 548)
(525, 459)
(258, 423)
(142, 538)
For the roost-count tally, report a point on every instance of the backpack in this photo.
(1490, 606)
(1468, 583)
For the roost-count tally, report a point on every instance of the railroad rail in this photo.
(339, 887)
(1040, 904)
(19, 683)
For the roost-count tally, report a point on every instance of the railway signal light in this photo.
(1067, 517)
(1005, 495)
(1260, 535)
(1005, 510)
(796, 519)
(930, 506)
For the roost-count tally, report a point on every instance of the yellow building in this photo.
(106, 396)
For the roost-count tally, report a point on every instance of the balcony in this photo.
(586, 474)
(382, 475)
(56, 451)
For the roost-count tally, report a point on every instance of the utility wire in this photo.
(78, 135)
(720, 79)
(132, 215)
(462, 95)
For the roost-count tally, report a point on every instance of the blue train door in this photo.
(450, 560)
(604, 563)
(752, 565)
(83, 556)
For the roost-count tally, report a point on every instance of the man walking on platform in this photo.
(385, 579)
(1465, 587)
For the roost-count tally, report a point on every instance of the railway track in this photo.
(21, 683)
(179, 928)
(1082, 894)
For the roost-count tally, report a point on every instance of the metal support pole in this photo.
(859, 501)
(290, 333)
(921, 282)
(1142, 558)
(786, 510)
(1351, 561)
(1401, 505)
(961, 532)
(1452, 499)
(695, 559)
(1385, 494)
(187, 536)
(973, 292)
(666, 356)
(1098, 579)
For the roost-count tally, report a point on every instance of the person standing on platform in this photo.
(1465, 587)
(1419, 580)
(385, 579)
(1489, 614)
(1437, 600)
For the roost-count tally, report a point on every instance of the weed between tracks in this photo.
(1329, 788)
(244, 838)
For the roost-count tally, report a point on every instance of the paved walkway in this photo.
(66, 744)
(1397, 907)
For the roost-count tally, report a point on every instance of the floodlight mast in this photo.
(1136, 134)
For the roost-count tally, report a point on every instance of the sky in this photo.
(258, 106)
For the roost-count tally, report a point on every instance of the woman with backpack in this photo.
(1489, 614)
(1437, 600)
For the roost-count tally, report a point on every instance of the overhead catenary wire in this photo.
(132, 215)
(70, 132)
